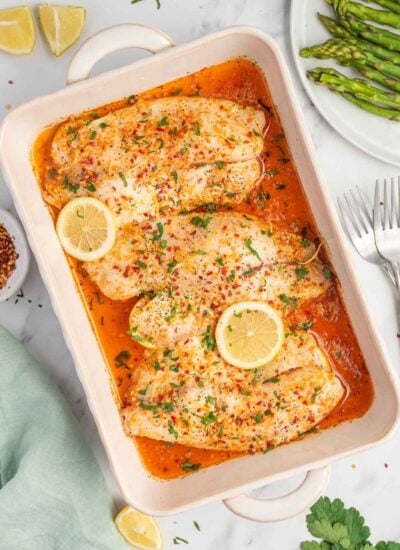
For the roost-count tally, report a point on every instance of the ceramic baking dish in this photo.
(230, 479)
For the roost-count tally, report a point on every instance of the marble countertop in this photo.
(369, 481)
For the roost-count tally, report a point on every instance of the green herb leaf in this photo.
(301, 273)
(327, 273)
(208, 340)
(164, 121)
(249, 246)
(174, 174)
(121, 359)
(201, 222)
(172, 430)
(123, 178)
(196, 128)
(187, 466)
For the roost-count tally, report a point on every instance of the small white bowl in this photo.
(22, 265)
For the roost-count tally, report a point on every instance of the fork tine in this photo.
(358, 213)
(366, 206)
(397, 210)
(392, 215)
(349, 212)
(351, 228)
(385, 205)
(377, 208)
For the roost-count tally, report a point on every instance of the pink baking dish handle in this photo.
(111, 40)
(284, 507)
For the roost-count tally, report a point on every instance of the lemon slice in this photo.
(62, 26)
(249, 334)
(86, 228)
(139, 530)
(17, 31)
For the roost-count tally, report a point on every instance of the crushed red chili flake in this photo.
(8, 256)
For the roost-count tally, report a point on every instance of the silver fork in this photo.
(357, 218)
(387, 224)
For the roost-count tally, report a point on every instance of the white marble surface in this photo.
(370, 481)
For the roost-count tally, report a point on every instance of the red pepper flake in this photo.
(8, 256)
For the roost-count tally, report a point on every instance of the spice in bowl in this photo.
(8, 256)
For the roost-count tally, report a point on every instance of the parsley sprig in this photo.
(340, 528)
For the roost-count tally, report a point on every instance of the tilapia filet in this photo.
(159, 156)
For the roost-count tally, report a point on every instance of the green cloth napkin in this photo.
(52, 493)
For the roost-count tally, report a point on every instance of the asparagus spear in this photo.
(334, 27)
(342, 50)
(388, 4)
(359, 88)
(371, 108)
(383, 17)
(376, 35)
(373, 74)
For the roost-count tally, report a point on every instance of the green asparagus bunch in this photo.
(372, 51)
(359, 92)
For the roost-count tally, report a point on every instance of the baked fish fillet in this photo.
(187, 394)
(171, 153)
(211, 251)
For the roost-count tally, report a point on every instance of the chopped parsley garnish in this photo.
(171, 266)
(211, 400)
(272, 172)
(52, 173)
(201, 252)
(280, 186)
(103, 125)
(305, 326)
(160, 232)
(249, 246)
(314, 395)
(208, 419)
(174, 174)
(121, 359)
(172, 430)
(189, 467)
(231, 277)
(177, 92)
(196, 128)
(305, 243)
(208, 340)
(141, 264)
(201, 222)
(289, 301)
(301, 273)
(131, 98)
(156, 365)
(273, 379)
(69, 186)
(268, 412)
(178, 540)
(262, 196)
(72, 132)
(92, 135)
(249, 272)
(278, 138)
(90, 186)
(164, 121)
(219, 164)
(161, 146)
(123, 178)
(172, 314)
(258, 417)
(327, 273)
(219, 261)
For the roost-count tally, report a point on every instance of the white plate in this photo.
(22, 265)
(376, 136)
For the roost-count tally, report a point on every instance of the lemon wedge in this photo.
(86, 228)
(17, 31)
(249, 334)
(62, 26)
(139, 530)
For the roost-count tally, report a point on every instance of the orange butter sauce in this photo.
(279, 200)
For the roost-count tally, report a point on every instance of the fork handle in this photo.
(395, 275)
(390, 272)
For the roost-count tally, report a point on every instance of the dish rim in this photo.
(35, 233)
